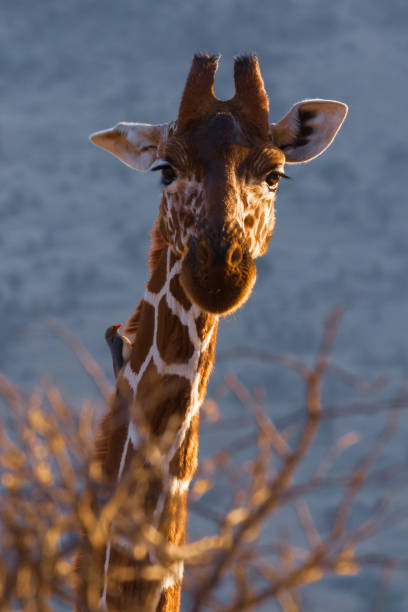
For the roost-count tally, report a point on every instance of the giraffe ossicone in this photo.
(221, 163)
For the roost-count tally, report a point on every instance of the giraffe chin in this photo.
(220, 291)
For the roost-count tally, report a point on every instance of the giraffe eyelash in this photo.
(272, 179)
(278, 174)
(168, 173)
(161, 166)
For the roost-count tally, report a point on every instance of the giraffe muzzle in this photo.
(218, 274)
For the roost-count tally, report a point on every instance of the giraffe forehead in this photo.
(218, 146)
(219, 141)
(206, 144)
(222, 130)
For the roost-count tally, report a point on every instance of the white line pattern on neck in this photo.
(189, 371)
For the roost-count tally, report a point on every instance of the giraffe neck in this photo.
(167, 364)
(165, 379)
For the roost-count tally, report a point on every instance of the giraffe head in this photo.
(221, 163)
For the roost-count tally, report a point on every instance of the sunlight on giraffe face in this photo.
(217, 209)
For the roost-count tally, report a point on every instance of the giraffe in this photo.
(221, 163)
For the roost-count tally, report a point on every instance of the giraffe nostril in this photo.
(234, 255)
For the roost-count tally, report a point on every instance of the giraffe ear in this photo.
(135, 144)
(308, 129)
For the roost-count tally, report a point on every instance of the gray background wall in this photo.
(75, 222)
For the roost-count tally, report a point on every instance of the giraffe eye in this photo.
(272, 179)
(168, 173)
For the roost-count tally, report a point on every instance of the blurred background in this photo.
(75, 222)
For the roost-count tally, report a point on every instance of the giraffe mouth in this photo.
(218, 278)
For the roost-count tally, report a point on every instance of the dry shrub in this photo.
(248, 559)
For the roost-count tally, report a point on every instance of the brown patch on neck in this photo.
(178, 292)
(204, 323)
(144, 338)
(173, 340)
(162, 401)
(132, 324)
(173, 521)
(184, 463)
(112, 436)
